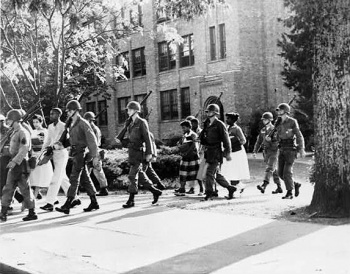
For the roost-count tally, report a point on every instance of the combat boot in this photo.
(296, 189)
(278, 190)
(156, 194)
(3, 214)
(130, 202)
(75, 202)
(263, 187)
(231, 191)
(66, 207)
(31, 216)
(93, 204)
(289, 195)
(103, 192)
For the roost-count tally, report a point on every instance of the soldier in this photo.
(268, 140)
(99, 174)
(18, 173)
(81, 136)
(213, 136)
(5, 155)
(290, 142)
(139, 136)
(60, 159)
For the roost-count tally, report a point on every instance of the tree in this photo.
(331, 81)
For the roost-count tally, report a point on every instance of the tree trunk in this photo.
(332, 109)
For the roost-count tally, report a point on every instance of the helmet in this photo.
(2, 117)
(14, 115)
(284, 107)
(134, 105)
(90, 116)
(213, 107)
(73, 105)
(267, 115)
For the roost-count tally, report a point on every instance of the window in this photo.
(222, 39)
(139, 62)
(122, 114)
(123, 70)
(91, 106)
(168, 102)
(186, 51)
(102, 113)
(167, 57)
(144, 107)
(212, 38)
(136, 14)
(185, 102)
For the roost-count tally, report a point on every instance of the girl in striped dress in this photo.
(189, 164)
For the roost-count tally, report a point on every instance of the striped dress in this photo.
(189, 164)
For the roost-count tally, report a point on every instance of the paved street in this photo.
(167, 239)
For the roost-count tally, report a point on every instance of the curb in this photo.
(7, 269)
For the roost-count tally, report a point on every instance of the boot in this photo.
(278, 190)
(263, 187)
(296, 187)
(160, 186)
(75, 202)
(66, 207)
(231, 190)
(208, 196)
(130, 202)
(156, 194)
(93, 204)
(180, 192)
(3, 214)
(31, 216)
(103, 192)
(191, 191)
(47, 207)
(289, 195)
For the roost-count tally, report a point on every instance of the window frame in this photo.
(139, 72)
(222, 41)
(103, 117)
(172, 104)
(212, 41)
(190, 56)
(185, 102)
(166, 56)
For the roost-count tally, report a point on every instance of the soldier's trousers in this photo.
(270, 158)
(213, 174)
(4, 160)
(151, 174)
(18, 176)
(79, 168)
(286, 158)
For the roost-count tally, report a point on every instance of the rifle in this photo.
(122, 133)
(31, 111)
(101, 111)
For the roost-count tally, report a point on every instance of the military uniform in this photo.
(290, 141)
(270, 153)
(18, 176)
(81, 136)
(213, 136)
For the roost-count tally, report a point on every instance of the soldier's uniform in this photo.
(290, 142)
(19, 174)
(213, 136)
(270, 153)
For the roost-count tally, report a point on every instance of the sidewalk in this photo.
(166, 240)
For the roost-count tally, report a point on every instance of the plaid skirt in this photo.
(188, 170)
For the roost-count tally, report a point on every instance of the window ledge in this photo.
(167, 71)
(217, 61)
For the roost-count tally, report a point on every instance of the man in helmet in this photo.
(18, 172)
(290, 142)
(5, 155)
(81, 137)
(212, 137)
(99, 174)
(267, 139)
(139, 149)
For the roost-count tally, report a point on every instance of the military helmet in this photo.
(2, 117)
(90, 116)
(283, 106)
(134, 105)
(14, 115)
(213, 107)
(73, 105)
(267, 115)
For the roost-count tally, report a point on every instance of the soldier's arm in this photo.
(299, 136)
(226, 140)
(90, 140)
(146, 137)
(24, 140)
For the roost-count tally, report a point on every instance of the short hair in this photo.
(186, 123)
(195, 120)
(58, 110)
(38, 117)
(190, 118)
(233, 115)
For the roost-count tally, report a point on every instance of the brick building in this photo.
(231, 50)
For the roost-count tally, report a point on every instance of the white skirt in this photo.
(41, 176)
(238, 168)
